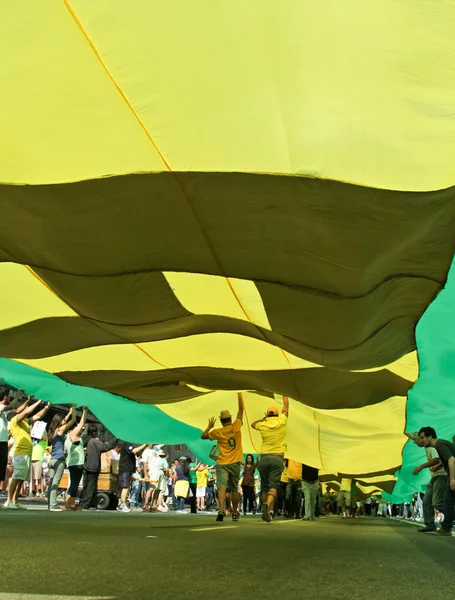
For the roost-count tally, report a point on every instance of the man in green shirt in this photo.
(192, 478)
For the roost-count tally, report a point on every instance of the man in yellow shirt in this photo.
(230, 455)
(20, 430)
(202, 475)
(293, 488)
(273, 431)
(344, 497)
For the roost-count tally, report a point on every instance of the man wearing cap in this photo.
(273, 431)
(230, 455)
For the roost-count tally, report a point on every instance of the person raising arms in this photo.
(56, 437)
(75, 461)
(9, 407)
(271, 463)
(230, 455)
(20, 430)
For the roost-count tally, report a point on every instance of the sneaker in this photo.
(235, 516)
(442, 533)
(161, 509)
(11, 505)
(181, 512)
(426, 530)
(266, 516)
(21, 506)
(56, 509)
(220, 516)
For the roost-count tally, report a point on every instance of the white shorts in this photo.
(163, 484)
(344, 499)
(200, 492)
(22, 465)
(154, 480)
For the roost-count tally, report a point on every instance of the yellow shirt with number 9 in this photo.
(229, 440)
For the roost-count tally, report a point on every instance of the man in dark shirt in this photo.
(310, 486)
(126, 468)
(446, 452)
(92, 467)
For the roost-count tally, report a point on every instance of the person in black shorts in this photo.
(126, 468)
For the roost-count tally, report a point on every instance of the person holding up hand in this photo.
(56, 436)
(273, 429)
(9, 406)
(20, 430)
(230, 455)
(75, 459)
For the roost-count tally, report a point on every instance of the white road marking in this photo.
(213, 528)
(287, 521)
(152, 536)
(8, 596)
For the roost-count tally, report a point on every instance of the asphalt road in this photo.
(189, 557)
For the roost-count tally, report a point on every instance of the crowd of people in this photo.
(37, 455)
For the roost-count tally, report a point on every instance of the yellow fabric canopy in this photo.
(205, 198)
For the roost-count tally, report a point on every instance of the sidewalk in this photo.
(32, 502)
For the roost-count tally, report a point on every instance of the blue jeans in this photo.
(210, 496)
(181, 503)
(310, 491)
(56, 473)
(134, 492)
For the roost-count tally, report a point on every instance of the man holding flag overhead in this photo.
(230, 455)
(273, 431)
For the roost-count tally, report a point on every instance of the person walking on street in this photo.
(248, 484)
(293, 493)
(230, 455)
(56, 437)
(344, 497)
(436, 488)
(273, 429)
(446, 452)
(92, 466)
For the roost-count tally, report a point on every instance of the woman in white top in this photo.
(75, 461)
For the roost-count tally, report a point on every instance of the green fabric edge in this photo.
(127, 420)
(431, 399)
